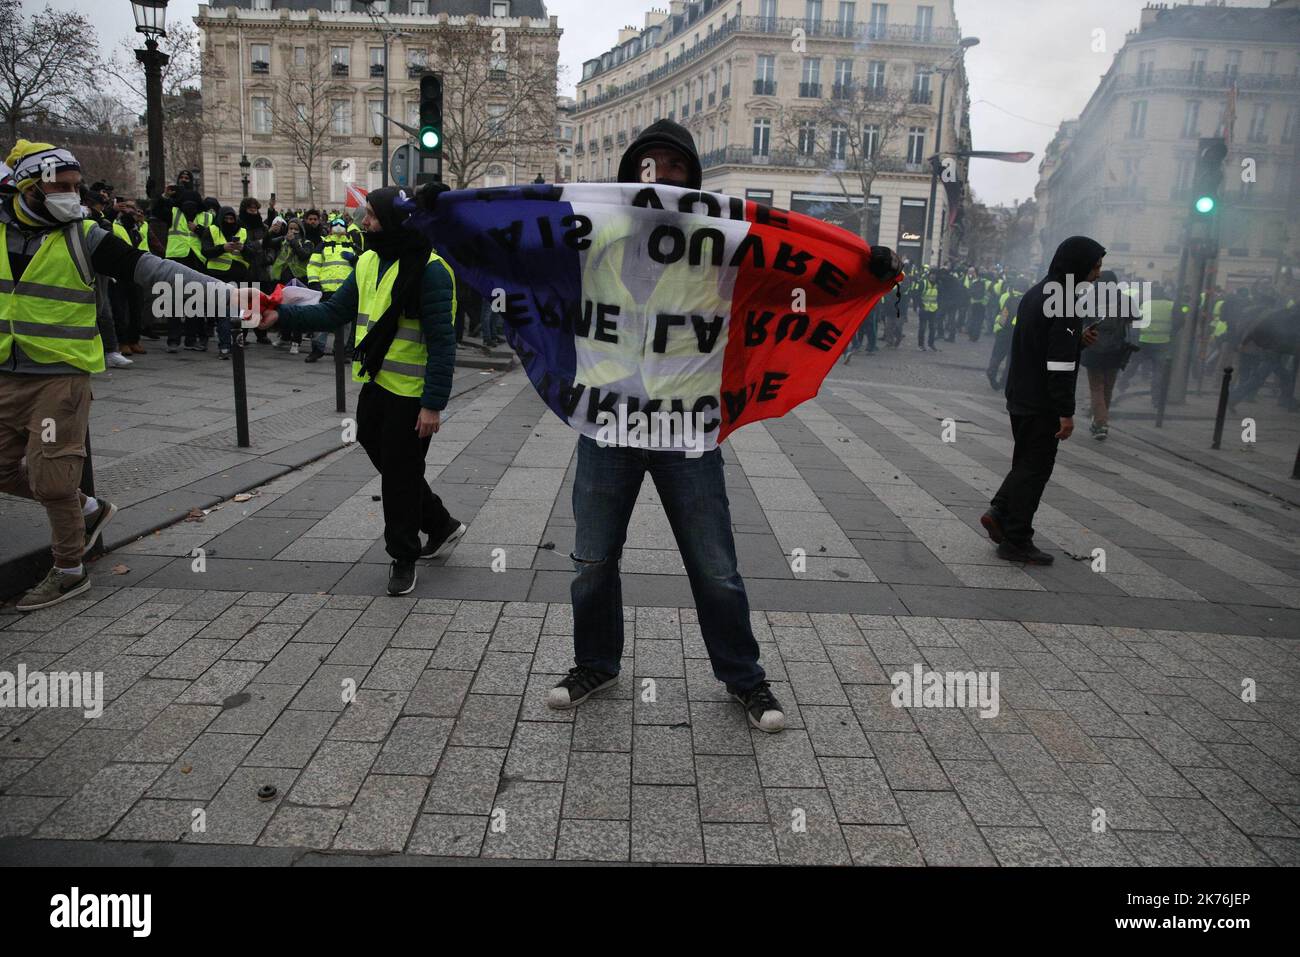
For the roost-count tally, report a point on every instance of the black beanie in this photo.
(661, 133)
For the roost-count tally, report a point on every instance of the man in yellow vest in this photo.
(1003, 329)
(226, 253)
(329, 265)
(928, 308)
(50, 270)
(1154, 337)
(129, 225)
(402, 296)
(179, 206)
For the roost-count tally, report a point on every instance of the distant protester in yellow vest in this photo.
(328, 267)
(50, 273)
(402, 296)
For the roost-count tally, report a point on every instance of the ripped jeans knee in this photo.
(610, 561)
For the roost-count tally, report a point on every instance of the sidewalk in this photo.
(163, 442)
(1120, 690)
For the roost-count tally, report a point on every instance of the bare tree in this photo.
(45, 60)
(498, 98)
(302, 112)
(852, 136)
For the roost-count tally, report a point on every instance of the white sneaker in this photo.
(116, 360)
(293, 349)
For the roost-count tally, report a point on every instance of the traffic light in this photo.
(1208, 179)
(430, 138)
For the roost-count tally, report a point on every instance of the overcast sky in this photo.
(1035, 64)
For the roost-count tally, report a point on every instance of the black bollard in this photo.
(1223, 408)
(241, 388)
(1295, 469)
(340, 370)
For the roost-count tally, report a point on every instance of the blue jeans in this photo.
(491, 324)
(695, 500)
(223, 334)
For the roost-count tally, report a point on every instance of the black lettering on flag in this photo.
(771, 385)
(702, 403)
(597, 403)
(736, 210)
(787, 260)
(569, 396)
(605, 328)
(647, 199)
(707, 331)
(756, 327)
(717, 249)
(752, 245)
(825, 336)
(509, 237)
(830, 278)
(771, 216)
(574, 238)
(688, 202)
(516, 312)
(582, 324)
(735, 402)
(657, 236)
(792, 325)
(663, 322)
(544, 228)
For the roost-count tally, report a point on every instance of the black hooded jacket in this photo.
(662, 133)
(1044, 369)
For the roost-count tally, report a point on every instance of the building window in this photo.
(924, 23)
(261, 4)
(341, 117)
(1289, 126)
(807, 138)
(501, 8)
(839, 141)
(1259, 124)
(1191, 118)
(1146, 67)
(1270, 62)
(765, 75)
(416, 58)
(263, 184)
(916, 145)
(1186, 173)
(879, 23)
(376, 61)
(376, 110)
(496, 119)
(812, 16)
(1198, 63)
(261, 114)
(844, 23)
(419, 7)
(261, 57)
(876, 75)
(1137, 120)
(341, 6)
(299, 56)
(767, 14)
(1232, 64)
(811, 84)
(921, 85)
(340, 59)
(762, 137)
(870, 140)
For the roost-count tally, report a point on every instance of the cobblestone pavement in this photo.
(1120, 691)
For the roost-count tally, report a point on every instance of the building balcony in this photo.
(416, 70)
(607, 142)
(1204, 80)
(921, 96)
(699, 104)
(338, 69)
(842, 91)
(765, 87)
(496, 76)
(810, 90)
(819, 161)
(622, 137)
(726, 90)
(261, 66)
(376, 69)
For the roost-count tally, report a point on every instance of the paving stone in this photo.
(486, 721)
(539, 752)
(593, 840)
(503, 673)
(362, 645)
(45, 731)
(291, 740)
(295, 826)
(1068, 818)
(236, 815)
(254, 710)
(223, 679)
(448, 835)
(835, 731)
(1161, 849)
(1175, 744)
(466, 781)
(666, 825)
(459, 650)
(1257, 769)
(988, 794)
(203, 767)
(1215, 837)
(943, 830)
(1023, 847)
(383, 813)
(150, 820)
(331, 688)
(1062, 738)
(20, 814)
(415, 746)
(598, 785)
(1107, 787)
(420, 631)
(169, 734)
(661, 701)
(859, 791)
(369, 717)
(140, 704)
(882, 846)
(92, 811)
(875, 710)
(804, 824)
(335, 774)
(1092, 715)
(603, 724)
(72, 763)
(662, 755)
(1027, 763)
(787, 760)
(907, 762)
(739, 844)
(294, 665)
(948, 733)
(1242, 805)
(525, 820)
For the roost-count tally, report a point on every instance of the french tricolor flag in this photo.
(631, 303)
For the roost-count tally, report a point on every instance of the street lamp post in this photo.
(151, 20)
(244, 167)
(966, 44)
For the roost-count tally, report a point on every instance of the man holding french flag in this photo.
(654, 319)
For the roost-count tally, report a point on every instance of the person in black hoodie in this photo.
(1041, 379)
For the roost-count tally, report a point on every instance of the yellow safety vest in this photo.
(224, 261)
(357, 236)
(1160, 316)
(999, 322)
(179, 237)
(930, 297)
(402, 371)
(203, 221)
(327, 265)
(121, 233)
(51, 311)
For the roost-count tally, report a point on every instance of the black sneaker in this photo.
(993, 525)
(95, 523)
(579, 685)
(761, 707)
(401, 577)
(314, 357)
(1028, 553)
(440, 545)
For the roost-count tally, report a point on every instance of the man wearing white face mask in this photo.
(52, 261)
(328, 267)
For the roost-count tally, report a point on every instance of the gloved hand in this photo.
(426, 197)
(884, 263)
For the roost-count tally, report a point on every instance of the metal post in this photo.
(1184, 342)
(934, 177)
(154, 60)
(88, 484)
(1295, 470)
(241, 389)
(1162, 369)
(384, 154)
(1223, 409)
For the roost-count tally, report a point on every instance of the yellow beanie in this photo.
(28, 173)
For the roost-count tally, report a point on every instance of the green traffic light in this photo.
(1205, 204)
(429, 138)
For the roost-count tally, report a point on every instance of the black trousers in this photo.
(1032, 460)
(386, 430)
(928, 321)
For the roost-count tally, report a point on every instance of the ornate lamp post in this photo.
(151, 20)
(244, 167)
(966, 44)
